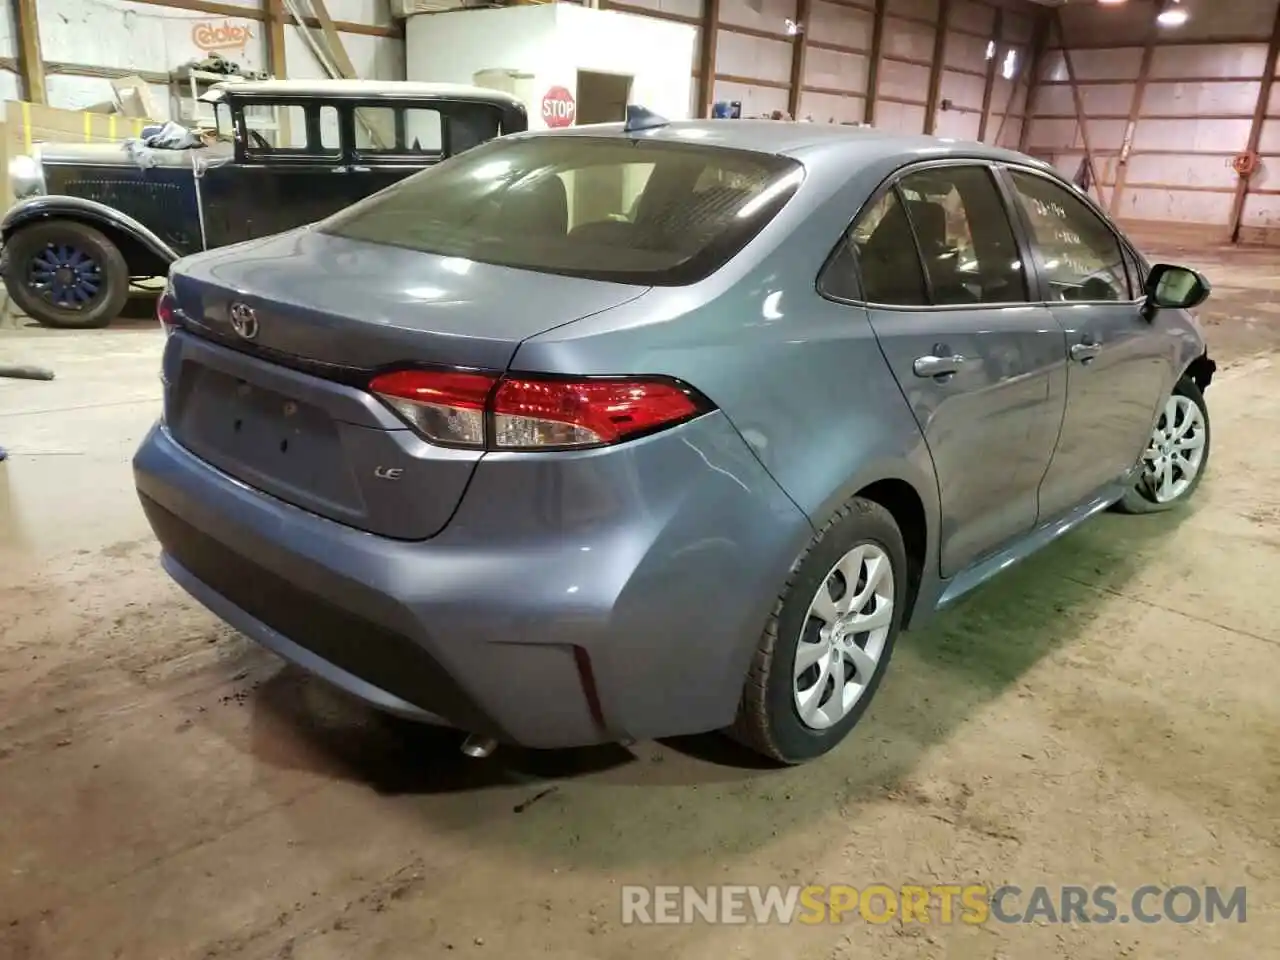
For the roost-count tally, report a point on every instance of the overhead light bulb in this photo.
(1173, 16)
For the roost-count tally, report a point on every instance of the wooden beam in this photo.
(1035, 66)
(873, 62)
(334, 42)
(707, 56)
(935, 68)
(1255, 131)
(1135, 114)
(799, 49)
(1081, 119)
(30, 61)
(276, 65)
(989, 89)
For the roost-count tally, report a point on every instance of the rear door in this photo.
(981, 366)
(1118, 367)
(289, 170)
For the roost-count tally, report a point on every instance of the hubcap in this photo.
(66, 276)
(843, 637)
(1176, 454)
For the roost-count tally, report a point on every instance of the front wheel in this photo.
(1176, 456)
(828, 642)
(62, 273)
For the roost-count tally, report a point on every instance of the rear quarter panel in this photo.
(801, 378)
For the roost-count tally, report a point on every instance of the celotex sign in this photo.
(558, 107)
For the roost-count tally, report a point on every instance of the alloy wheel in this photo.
(1176, 454)
(844, 635)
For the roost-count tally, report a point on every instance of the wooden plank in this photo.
(799, 49)
(873, 64)
(30, 60)
(989, 87)
(935, 68)
(1255, 131)
(707, 56)
(333, 41)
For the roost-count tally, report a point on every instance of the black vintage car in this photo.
(91, 218)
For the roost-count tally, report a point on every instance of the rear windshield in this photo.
(631, 211)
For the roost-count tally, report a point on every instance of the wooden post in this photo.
(1135, 112)
(799, 49)
(1255, 131)
(873, 63)
(276, 65)
(707, 55)
(30, 61)
(1081, 120)
(1035, 66)
(935, 69)
(993, 66)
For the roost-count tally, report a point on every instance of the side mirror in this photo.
(1171, 287)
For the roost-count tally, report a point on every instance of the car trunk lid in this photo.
(286, 409)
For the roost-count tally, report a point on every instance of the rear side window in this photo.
(631, 211)
(1081, 255)
(965, 239)
(886, 254)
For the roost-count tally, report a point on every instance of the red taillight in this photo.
(533, 413)
(166, 311)
(574, 413)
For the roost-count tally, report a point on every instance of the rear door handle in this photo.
(932, 366)
(1084, 352)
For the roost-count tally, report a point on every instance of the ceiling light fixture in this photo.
(1173, 15)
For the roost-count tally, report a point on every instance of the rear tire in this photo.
(819, 662)
(1177, 455)
(66, 274)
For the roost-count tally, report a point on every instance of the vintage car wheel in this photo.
(1176, 456)
(66, 274)
(825, 648)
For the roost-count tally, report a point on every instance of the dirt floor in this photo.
(1105, 713)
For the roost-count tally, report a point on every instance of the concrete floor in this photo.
(1105, 713)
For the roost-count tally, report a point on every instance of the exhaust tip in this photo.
(478, 747)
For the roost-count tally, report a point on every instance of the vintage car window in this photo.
(284, 130)
(964, 236)
(1081, 255)
(406, 131)
(222, 120)
(330, 130)
(644, 212)
(886, 258)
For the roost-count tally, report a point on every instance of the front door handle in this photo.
(1084, 352)
(934, 366)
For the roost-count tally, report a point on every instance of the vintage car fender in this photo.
(87, 211)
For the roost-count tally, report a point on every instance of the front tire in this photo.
(66, 274)
(1177, 455)
(828, 642)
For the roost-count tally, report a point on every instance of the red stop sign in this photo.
(558, 107)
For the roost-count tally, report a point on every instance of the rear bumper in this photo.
(573, 599)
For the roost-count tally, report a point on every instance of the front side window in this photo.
(964, 235)
(1081, 256)
(632, 211)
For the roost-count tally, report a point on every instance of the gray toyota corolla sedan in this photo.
(617, 433)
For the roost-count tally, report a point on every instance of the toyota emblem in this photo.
(244, 321)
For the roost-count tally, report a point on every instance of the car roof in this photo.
(405, 89)
(795, 138)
